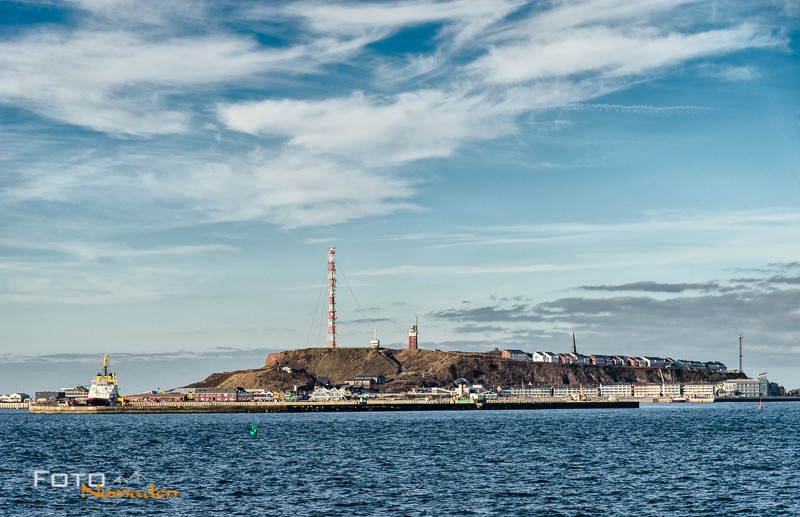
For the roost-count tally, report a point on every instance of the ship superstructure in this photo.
(103, 391)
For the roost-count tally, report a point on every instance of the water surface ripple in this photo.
(658, 460)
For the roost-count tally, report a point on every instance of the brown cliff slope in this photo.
(413, 368)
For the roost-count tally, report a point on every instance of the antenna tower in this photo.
(740, 352)
(331, 297)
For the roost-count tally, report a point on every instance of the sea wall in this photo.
(321, 407)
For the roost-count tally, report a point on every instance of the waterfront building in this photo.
(76, 393)
(646, 390)
(15, 397)
(671, 390)
(533, 391)
(560, 391)
(539, 357)
(616, 390)
(599, 360)
(763, 385)
(700, 390)
(216, 395)
(48, 396)
(327, 394)
(573, 391)
(776, 390)
(156, 396)
(741, 388)
(591, 392)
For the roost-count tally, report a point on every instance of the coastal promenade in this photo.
(320, 407)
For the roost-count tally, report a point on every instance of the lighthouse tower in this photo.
(412, 334)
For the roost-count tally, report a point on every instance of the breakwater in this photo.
(318, 407)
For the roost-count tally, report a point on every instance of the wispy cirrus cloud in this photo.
(374, 130)
(468, 17)
(610, 53)
(489, 64)
(291, 190)
(120, 82)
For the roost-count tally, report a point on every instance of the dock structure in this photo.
(320, 407)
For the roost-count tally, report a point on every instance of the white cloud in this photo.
(118, 82)
(609, 52)
(291, 190)
(410, 126)
(356, 18)
(734, 74)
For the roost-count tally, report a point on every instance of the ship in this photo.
(103, 391)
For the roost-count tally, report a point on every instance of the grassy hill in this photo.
(405, 369)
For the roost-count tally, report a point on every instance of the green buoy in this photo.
(253, 430)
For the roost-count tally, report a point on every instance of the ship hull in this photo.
(98, 402)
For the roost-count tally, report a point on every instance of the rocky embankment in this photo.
(405, 369)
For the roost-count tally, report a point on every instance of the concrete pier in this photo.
(321, 407)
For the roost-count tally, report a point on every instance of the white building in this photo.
(671, 390)
(651, 390)
(561, 392)
(741, 388)
(527, 392)
(616, 390)
(325, 394)
(550, 357)
(698, 391)
(15, 397)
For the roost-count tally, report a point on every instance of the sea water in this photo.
(661, 459)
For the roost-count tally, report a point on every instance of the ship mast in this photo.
(331, 297)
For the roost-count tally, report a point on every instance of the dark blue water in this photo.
(658, 460)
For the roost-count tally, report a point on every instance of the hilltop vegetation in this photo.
(406, 369)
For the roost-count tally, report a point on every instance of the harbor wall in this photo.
(321, 407)
(14, 405)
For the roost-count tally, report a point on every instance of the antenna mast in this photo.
(740, 352)
(331, 297)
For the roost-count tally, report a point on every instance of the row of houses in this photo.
(612, 360)
(611, 391)
(760, 387)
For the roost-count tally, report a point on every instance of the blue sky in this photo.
(174, 172)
